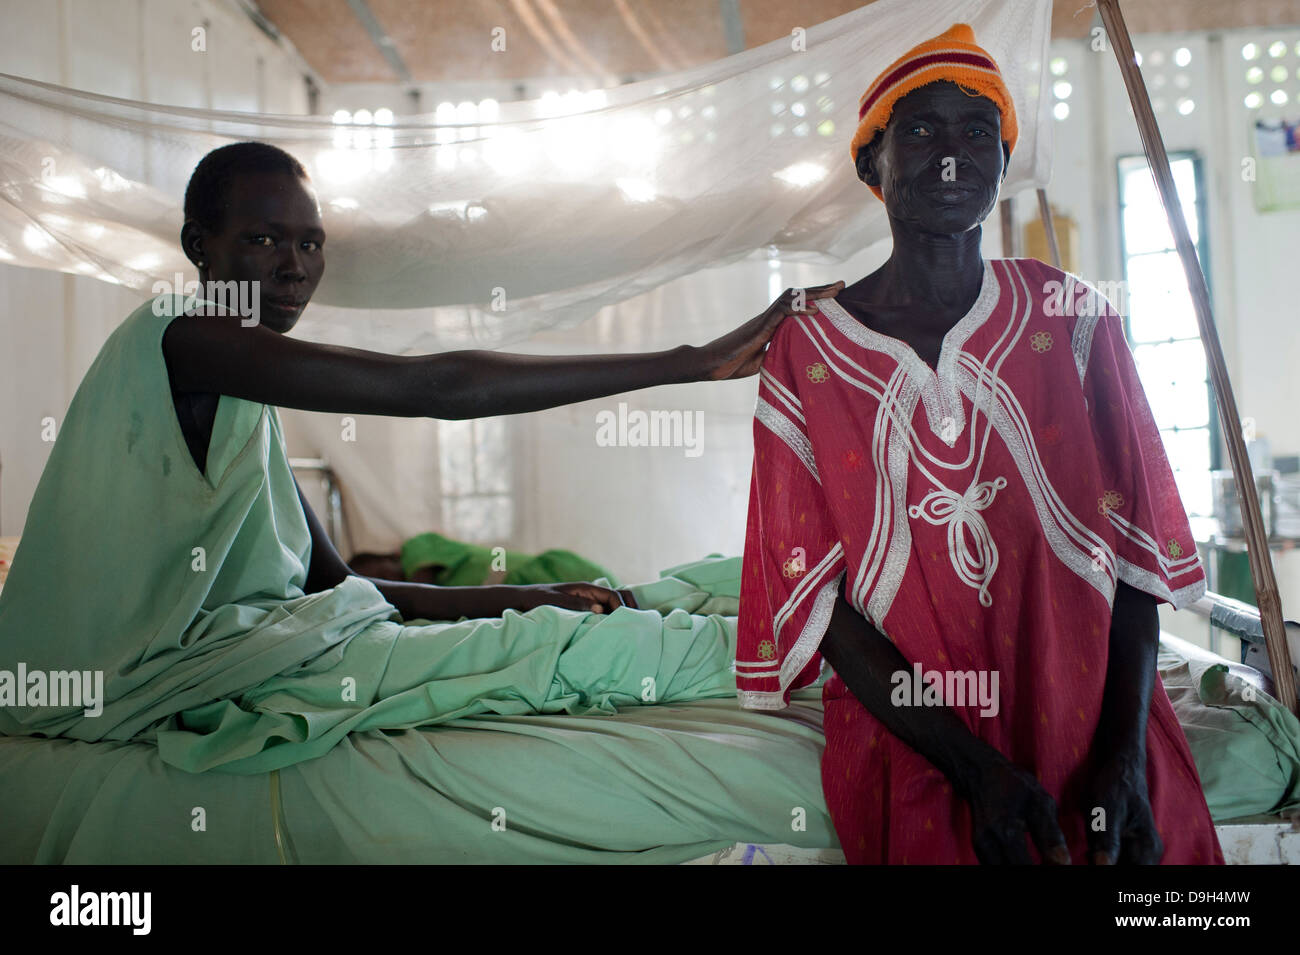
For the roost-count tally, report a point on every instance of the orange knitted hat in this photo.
(952, 55)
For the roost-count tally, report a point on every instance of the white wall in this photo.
(1258, 274)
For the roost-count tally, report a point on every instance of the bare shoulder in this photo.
(200, 349)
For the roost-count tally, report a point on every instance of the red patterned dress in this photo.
(983, 516)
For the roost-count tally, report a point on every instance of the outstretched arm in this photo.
(220, 356)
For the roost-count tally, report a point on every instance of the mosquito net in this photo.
(444, 234)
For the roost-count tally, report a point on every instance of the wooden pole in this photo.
(1261, 566)
(1008, 229)
(1049, 227)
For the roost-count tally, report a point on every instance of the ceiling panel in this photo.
(330, 38)
(609, 40)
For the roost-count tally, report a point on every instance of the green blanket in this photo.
(1245, 744)
(459, 564)
(394, 676)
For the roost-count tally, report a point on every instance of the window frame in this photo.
(1213, 427)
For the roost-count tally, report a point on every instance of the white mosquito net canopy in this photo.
(481, 235)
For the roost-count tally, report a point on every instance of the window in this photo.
(475, 477)
(1161, 321)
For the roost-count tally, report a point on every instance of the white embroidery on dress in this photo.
(782, 394)
(960, 514)
(806, 586)
(1084, 325)
(901, 406)
(762, 699)
(1075, 545)
(881, 596)
(1081, 343)
(791, 436)
(939, 391)
(810, 637)
(896, 405)
(903, 452)
(894, 441)
(1150, 583)
(1172, 567)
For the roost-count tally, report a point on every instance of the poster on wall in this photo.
(1277, 172)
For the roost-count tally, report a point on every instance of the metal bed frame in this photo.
(1243, 621)
(336, 524)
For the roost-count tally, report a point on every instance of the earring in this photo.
(201, 264)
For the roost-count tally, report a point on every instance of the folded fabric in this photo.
(400, 675)
(1245, 744)
(458, 564)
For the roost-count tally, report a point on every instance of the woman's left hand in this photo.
(1120, 825)
(739, 353)
(577, 596)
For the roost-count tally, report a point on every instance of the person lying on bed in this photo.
(961, 501)
(169, 549)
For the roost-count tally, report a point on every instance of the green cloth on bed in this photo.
(653, 784)
(395, 676)
(185, 590)
(1245, 744)
(468, 565)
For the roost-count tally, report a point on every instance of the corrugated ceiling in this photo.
(608, 40)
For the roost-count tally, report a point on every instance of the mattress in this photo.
(661, 784)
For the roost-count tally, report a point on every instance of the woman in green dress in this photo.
(169, 548)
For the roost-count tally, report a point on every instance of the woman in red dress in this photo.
(961, 501)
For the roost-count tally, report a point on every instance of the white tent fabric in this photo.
(483, 234)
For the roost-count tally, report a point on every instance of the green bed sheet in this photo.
(662, 784)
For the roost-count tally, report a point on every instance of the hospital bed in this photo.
(702, 782)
